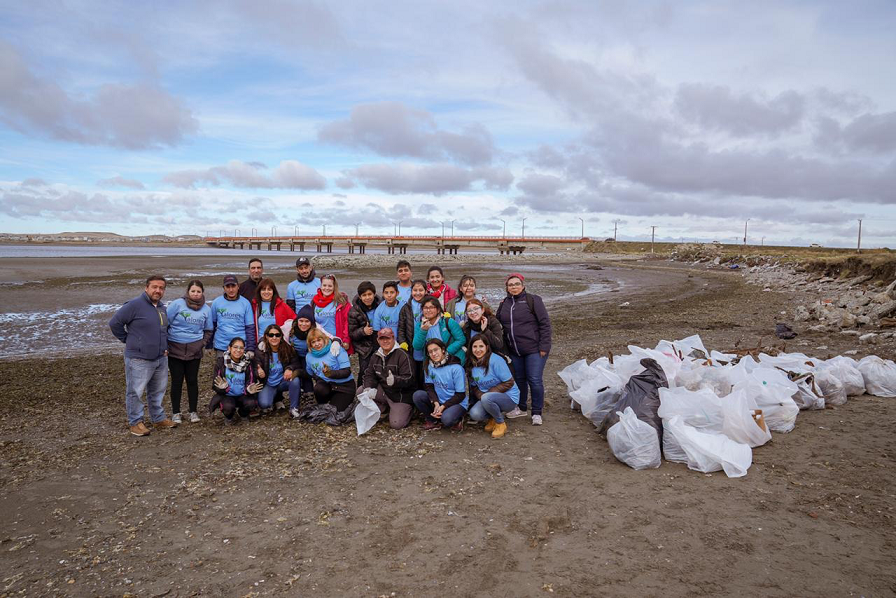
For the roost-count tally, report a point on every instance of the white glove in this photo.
(334, 348)
(220, 383)
(371, 394)
(250, 354)
(390, 379)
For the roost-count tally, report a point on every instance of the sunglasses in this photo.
(274, 335)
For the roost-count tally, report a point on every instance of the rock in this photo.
(818, 328)
(847, 320)
(891, 290)
(801, 314)
(868, 338)
(880, 298)
(850, 332)
(863, 320)
(851, 352)
(859, 302)
(884, 310)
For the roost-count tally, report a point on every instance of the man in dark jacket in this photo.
(249, 286)
(390, 377)
(142, 325)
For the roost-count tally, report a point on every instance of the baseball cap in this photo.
(230, 279)
(303, 261)
(385, 333)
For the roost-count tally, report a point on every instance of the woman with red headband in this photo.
(527, 341)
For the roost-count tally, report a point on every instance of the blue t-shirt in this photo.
(498, 372)
(301, 346)
(230, 319)
(315, 365)
(386, 317)
(448, 380)
(184, 324)
(236, 383)
(302, 292)
(460, 311)
(404, 294)
(433, 332)
(265, 317)
(326, 316)
(275, 373)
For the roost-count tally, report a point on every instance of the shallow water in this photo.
(56, 306)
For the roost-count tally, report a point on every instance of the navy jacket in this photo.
(527, 329)
(142, 327)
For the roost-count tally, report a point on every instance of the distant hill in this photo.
(93, 237)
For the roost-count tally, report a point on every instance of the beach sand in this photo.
(275, 507)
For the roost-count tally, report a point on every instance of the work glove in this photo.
(220, 383)
(255, 387)
(334, 348)
(404, 346)
(390, 379)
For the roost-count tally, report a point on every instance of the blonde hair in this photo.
(314, 334)
(338, 297)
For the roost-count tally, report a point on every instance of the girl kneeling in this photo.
(332, 374)
(444, 402)
(236, 389)
(491, 381)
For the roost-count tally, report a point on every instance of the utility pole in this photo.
(357, 224)
(652, 236)
(452, 229)
(745, 231)
(504, 233)
(295, 230)
(763, 241)
(524, 228)
(325, 230)
(399, 227)
(859, 246)
(615, 223)
(583, 227)
(273, 231)
(443, 230)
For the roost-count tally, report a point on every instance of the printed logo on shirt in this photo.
(229, 315)
(190, 318)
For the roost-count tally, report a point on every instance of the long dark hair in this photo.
(472, 362)
(265, 283)
(433, 341)
(285, 352)
(434, 301)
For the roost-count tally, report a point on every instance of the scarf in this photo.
(309, 278)
(195, 305)
(321, 301)
(323, 351)
(235, 366)
(300, 334)
(434, 293)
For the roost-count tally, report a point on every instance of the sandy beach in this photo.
(272, 507)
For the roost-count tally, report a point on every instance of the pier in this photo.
(400, 244)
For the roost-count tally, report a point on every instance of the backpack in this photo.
(530, 301)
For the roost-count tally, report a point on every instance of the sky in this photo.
(260, 116)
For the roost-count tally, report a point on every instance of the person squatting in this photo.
(423, 349)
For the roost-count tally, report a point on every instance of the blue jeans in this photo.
(493, 404)
(149, 376)
(528, 374)
(450, 416)
(267, 394)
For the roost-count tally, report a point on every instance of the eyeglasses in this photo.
(275, 335)
(514, 284)
(473, 309)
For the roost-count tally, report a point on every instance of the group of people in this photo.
(422, 347)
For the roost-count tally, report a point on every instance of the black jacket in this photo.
(494, 334)
(399, 364)
(406, 324)
(364, 344)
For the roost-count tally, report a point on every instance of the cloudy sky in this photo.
(211, 116)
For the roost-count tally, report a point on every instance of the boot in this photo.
(490, 425)
(500, 430)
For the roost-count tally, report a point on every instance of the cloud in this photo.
(870, 133)
(717, 108)
(393, 129)
(34, 182)
(435, 179)
(289, 174)
(133, 117)
(119, 181)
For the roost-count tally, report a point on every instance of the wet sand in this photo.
(274, 507)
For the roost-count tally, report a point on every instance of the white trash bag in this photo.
(672, 450)
(879, 375)
(708, 451)
(739, 421)
(847, 369)
(830, 385)
(772, 391)
(701, 408)
(366, 412)
(634, 442)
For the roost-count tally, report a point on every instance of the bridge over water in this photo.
(400, 244)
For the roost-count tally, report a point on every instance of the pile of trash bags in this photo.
(710, 409)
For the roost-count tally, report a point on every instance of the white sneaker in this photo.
(515, 413)
(536, 420)
(279, 406)
(176, 418)
(194, 417)
(294, 413)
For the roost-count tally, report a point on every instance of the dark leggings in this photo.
(181, 369)
(242, 404)
(338, 394)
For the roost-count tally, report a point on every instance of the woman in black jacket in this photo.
(236, 388)
(527, 338)
(481, 321)
(408, 316)
(359, 329)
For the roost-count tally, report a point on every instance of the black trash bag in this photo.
(328, 414)
(642, 394)
(784, 331)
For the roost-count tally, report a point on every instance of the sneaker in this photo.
(500, 430)
(139, 429)
(515, 413)
(266, 410)
(431, 425)
(176, 418)
(279, 406)
(458, 427)
(194, 417)
(536, 420)
(490, 425)
(254, 413)
(165, 423)
(294, 413)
